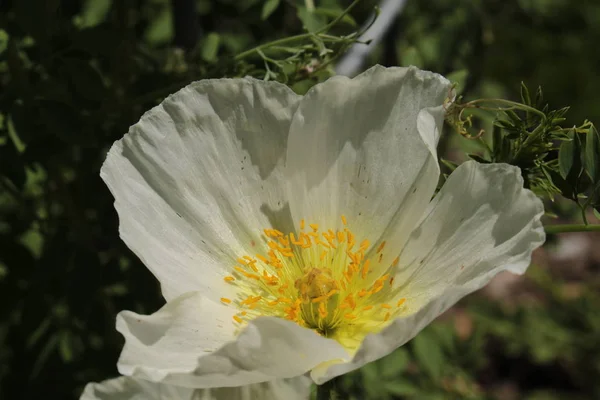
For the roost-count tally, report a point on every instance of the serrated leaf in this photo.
(269, 8)
(429, 354)
(210, 47)
(592, 154)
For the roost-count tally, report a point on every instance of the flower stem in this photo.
(552, 229)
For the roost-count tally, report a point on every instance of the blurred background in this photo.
(75, 74)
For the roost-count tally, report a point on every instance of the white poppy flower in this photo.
(127, 388)
(297, 234)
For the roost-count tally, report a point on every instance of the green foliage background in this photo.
(75, 74)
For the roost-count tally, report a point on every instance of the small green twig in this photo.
(553, 229)
(303, 36)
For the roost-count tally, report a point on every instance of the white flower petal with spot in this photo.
(481, 222)
(297, 234)
(126, 388)
(192, 180)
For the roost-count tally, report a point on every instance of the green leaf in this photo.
(86, 80)
(459, 78)
(94, 12)
(411, 56)
(310, 20)
(525, 97)
(592, 154)
(429, 354)
(401, 388)
(566, 155)
(210, 47)
(269, 7)
(597, 214)
(394, 364)
(3, 40)
(479, 159)
(334, 13)
(39, 332)
(65, 347)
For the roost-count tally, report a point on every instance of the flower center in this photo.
(321, 280)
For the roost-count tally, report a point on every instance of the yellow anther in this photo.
(344, 221)
(386, 306)
(301, 224)
(238, 319)
(367, 308)
(365, 269)
(226, 300)
(400, 302)
(340, 236)
(381, 246)
(350, 316)
(323, 255)
(322, 310)
(319, 299)
(229, 279)
(387, 316)
(315, 227)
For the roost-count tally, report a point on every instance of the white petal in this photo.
(191, 342)
(198, 176)
(365, 148)
(126, 388)
(481, 222)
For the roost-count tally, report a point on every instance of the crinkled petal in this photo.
(365, 148)
(127, 388)
(192, 342)
(481, 222)
(198, 176)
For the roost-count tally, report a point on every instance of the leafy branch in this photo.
(553, 160)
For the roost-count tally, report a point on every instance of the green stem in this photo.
(510, 103)
(297, 37)
(552, 229)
